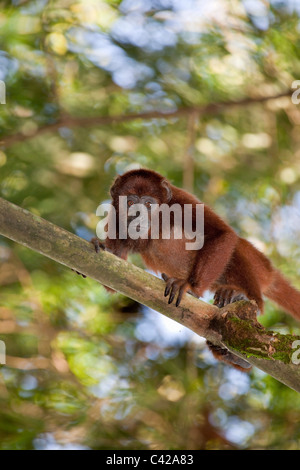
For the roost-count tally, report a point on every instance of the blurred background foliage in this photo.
(86, 370)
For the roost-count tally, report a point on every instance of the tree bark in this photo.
(234, 326)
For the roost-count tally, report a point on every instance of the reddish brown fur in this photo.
(226, 261)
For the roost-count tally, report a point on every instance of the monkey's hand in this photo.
(97, 245)
(173, 287)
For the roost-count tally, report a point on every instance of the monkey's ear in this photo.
(165, 184)
(113, 189)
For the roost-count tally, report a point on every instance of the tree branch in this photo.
(71, 121)
(234, 326)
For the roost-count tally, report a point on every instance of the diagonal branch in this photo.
(71, 121)
(234, 326)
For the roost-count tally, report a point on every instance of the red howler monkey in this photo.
(227, 265)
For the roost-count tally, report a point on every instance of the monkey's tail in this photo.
(281, 292)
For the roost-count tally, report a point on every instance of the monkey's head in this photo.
(141, 187)
(145, 190)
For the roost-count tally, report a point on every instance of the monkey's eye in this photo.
(130, 203)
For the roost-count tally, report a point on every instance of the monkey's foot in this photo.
(224, 296)
(173, 287)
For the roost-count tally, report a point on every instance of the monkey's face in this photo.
(146, 203)
(139, 211)
(137, 196)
